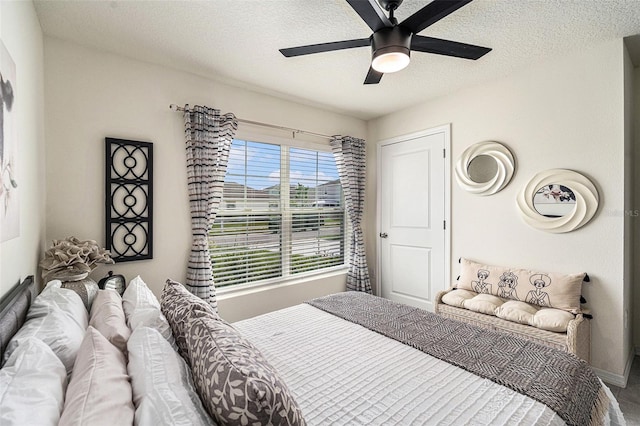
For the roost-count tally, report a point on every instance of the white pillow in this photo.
(67, 301)
(165, 393)
(99, 392)
(57, 330)
(107, 317)
(138, 296)
(546, 289)
(32, 386)
(142, 309)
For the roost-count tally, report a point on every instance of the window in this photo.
(282, 214)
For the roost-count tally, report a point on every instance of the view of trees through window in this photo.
(282, 214)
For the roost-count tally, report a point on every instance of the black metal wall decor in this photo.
(129, 199)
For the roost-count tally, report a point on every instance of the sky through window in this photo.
(257, 165)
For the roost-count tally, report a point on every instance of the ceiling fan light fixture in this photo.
(390, 49)
(391, 41)
(392, 61)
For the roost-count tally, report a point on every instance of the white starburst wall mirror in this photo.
(485, 168)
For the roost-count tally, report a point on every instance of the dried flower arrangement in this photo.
(72, 259)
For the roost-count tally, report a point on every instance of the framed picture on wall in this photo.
(9, 185)
(129, 199)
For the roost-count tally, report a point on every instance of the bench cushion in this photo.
(515, 311)
(550, 319)
(457, 297)
(483, 303)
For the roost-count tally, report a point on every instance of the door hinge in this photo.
(444, 222)
(444, 153)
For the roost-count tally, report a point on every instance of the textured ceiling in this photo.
(237, 42)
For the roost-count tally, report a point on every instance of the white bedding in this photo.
(343, 374)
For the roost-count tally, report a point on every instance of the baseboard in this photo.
(619, 380)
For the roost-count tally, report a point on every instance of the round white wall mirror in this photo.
(558, 201)
(485, 168)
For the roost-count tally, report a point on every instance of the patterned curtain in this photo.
(350, 159)
(208, 138)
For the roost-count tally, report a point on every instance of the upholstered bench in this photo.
(576, 338)
(498, 306)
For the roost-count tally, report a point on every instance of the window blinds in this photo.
(282, 214)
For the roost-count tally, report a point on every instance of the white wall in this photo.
(91, 95)
(636, 208)
(565, 113)
(630, 215)
(21, 34)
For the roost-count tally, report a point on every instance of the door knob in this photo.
(383, 235)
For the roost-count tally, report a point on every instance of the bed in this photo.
(322, 363)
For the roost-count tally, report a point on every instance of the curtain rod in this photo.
(175, 107)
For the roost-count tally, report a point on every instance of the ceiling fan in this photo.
(392, 42)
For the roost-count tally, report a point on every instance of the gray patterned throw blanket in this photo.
(563, 382)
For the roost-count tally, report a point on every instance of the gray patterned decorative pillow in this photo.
(235, 382)
(179, 305)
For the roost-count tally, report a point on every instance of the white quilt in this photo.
(343, 374)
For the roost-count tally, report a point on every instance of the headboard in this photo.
(13, 309)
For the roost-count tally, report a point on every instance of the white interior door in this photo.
(413, 236)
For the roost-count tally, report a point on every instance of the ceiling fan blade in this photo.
(324, 47)
(432, 13)
(371, 13)
(373, 76)
(446, 47)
